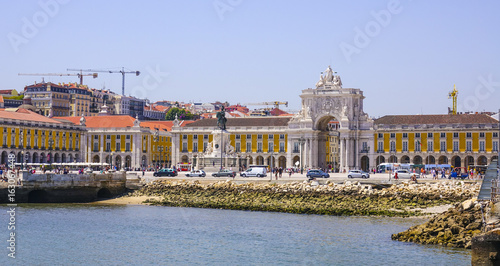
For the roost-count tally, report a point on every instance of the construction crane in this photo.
(453, 95)
(276, 104)
(123, 72)
(80, 75)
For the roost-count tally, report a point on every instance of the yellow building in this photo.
(39, 139)
(80, 99)
(461, 140)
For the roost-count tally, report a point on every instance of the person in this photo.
(290, 172)
(396, 175)
(281, 171)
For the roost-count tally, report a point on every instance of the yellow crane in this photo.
(79, 75)
(453, 95)
(276, 104)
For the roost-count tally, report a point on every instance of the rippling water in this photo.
(76, 234)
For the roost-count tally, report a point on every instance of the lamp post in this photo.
(302, 140)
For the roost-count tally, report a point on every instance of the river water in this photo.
(89, 234)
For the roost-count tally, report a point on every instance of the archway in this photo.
(57, 158)
(430, 160)
(35, 158)
(249, 160)
(393, 159)
(19, 157)
(70, 158)
(128, 161)
(118, 162)
(259, 160)
(443, 160)
(96, 159)
(380, 159)
(184, 159)
(282, 162)
(144, 160)
(4, 157)
(108, 159)
(365, 163)
(43, 158)
(104, 193)
(417, 159)
(38, 196)
(456, 161)
(296, 161)
(481, 160)
(328, 126)
(469, 161)
(77, 157)
(28, 156)
(271, 161)
(63, 158)
(405, 159)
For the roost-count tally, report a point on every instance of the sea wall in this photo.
(349, 198)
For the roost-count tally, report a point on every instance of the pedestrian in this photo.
(281, 171)
(396, 176)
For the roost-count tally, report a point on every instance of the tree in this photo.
(182, 114)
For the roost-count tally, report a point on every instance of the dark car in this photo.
(317, 173)
(165, 172)
(225, 172)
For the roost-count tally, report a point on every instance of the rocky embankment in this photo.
(350, 198)
(453, 228)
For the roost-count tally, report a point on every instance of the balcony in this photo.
(95, 150)
(12, 146)
(36, 147)
(77, 149)
(296, 151)
(259, 150)
(282, 150)
(28, 147)
(380, 151)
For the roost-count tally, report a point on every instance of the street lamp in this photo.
(302, 140)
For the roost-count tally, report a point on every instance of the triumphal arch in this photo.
(309, 129)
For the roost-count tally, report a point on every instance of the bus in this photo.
(385, 167)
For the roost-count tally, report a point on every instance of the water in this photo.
(86, 234)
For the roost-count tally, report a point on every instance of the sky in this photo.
(405, 56)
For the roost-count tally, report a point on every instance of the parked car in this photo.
(317, 173)
(254, 171)
(199, 173)
(225, 172)
(404, 174)
(358, 174)
(165, 172)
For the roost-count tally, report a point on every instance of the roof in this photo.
(245, 122)
(435, 119)
(102, 121)
(1, 99)
(26, 115)
(163, 125)
(6, 91)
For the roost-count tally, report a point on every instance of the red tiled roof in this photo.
(26, 115)
(102, 121)
(242, 122)
(6, 91)
(164, 125)
(1, 99)
(435, 119)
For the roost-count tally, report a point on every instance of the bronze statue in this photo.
(221, 119)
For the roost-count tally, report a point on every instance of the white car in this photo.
(404, 174)
(199, 173)
(358, 174)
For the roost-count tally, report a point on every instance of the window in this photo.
(429, 135)
(468, 145)
(271, 136)
(380, 135)
(195, 136)
(393, 146)
(108, 146)
(96, 146)
(380, 146)
(96, 137)
(442, 146)
(469, 135)
(259, 136)
(282, 147)
(418, 146)
(205, 136)
(118, 136)
(455, 145)
(282, 136)
(195, 146)
(184, 146)
(249, 147)
(127, 146)
(393, 135)
(205, 145)
(296, 148)
(495, 134)
(405, 135)
(495, 146)
(118, 148)
(128, 137)
(259, 146)
(184, 136)
(430, 146)
(108, 136)
(455, 134)
(238, 147)
(238, 136)
(405, 146)
(481, 134)
(481, 146)
(443, 135)
(417, 135)
(270, 147)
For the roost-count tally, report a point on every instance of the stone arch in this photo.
(282, 162)
(469, 161)
(430, 160)
(70, 158)
(63, 158)
(128, 161)
(35, 158)
(118, 161)
(393, 159)
(144, 160)
(184, 159)
(380, 159)
(271, 161)
(5, 158)
(19, 157)
(57, 158)
(96, 159)
(249, 160)
(405, 159)
(77, 157)
(108, 159)
(43, 157)
(443, 160)
(104, 193)
(323, 123)
(456, 161)
(365, 163)
(482, 160)
(259, 160)
(296, 159)
(418, 159)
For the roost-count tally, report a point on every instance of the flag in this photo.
(418, 143)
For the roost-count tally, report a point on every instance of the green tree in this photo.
(182, 114)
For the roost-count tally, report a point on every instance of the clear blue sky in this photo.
(244, 51)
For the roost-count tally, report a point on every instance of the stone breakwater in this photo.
(453, 228)
(349, 198)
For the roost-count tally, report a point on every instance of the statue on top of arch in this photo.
(329, 79)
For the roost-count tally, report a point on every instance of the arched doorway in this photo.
(249, 160)
(380, 159)
(296, 161)
(405, 159)
(57, 158)
(456, 161)
(271, 161)
(35, 158)
(184, 159)
(43, 158)
(328, 140)
(118, 162)
(365, 163)
(282, 162)
(481, 160)
(393, 159)
(259, 160)
(128, 161)
(19, 157)
(144, 161)
(430, 160)
(63, 158)
(104, 193)
(96, 159)
(417, 159)
(4, 157)
(108, 159)
(443, 160)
